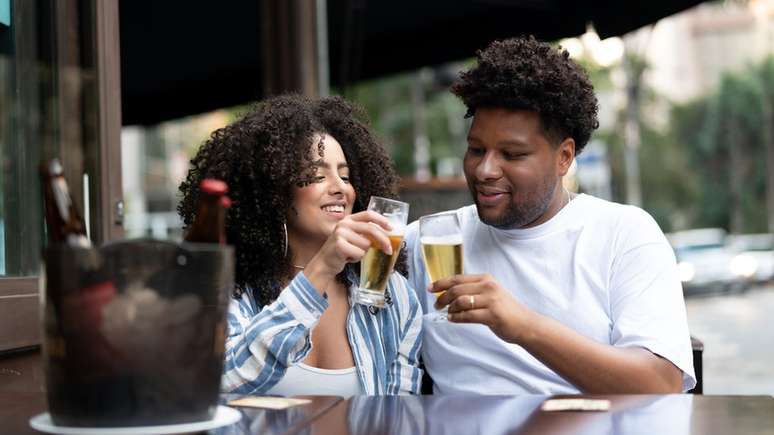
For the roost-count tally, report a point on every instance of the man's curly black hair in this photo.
(261, 157)
(526, 74)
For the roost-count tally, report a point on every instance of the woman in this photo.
(300, 173)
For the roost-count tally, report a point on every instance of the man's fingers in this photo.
(458, 290)
(470, 316)
(465, 303)
(446, 283)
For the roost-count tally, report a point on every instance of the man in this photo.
(561, 293)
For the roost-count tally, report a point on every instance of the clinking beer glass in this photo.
(376, 266)
(441, 241)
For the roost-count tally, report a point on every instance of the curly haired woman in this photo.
(300, 173)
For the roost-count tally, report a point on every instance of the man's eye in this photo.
(318, 178)
(475, 151)
(514, 156)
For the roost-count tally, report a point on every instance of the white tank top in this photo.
(302, 379)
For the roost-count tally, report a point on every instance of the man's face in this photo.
(514, 173)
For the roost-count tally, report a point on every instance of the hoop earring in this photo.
(285, 227)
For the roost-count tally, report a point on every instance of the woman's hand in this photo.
(348, 243)
(481, 299)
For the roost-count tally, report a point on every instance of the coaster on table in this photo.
(576, 405)
(268, 402)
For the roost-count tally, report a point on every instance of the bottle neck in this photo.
(63, 222)
(209, 223)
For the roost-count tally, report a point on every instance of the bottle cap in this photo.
(214, 187)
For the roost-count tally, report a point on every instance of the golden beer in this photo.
(443, 257)
(376, 266)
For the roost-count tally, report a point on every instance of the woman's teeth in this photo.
(334, 208)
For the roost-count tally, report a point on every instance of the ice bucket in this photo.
(134, 332)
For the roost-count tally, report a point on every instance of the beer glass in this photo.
(441, 240)
(376, 266)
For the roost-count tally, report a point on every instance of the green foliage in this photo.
(729, 120)
(389, 106)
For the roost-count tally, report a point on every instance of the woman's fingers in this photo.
(370, 216)
(351, 236)
(351, 253)
(374, 234)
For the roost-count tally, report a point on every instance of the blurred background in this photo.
(686, 132)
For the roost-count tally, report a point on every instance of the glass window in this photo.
(26, 85)
(49, 107)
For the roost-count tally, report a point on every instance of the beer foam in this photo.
(398, 228)
(397, 231)
(452, 239)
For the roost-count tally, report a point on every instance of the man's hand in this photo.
(481, 299)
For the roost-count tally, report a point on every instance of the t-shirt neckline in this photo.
(546, 227)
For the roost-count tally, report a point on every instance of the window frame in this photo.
(83, 149)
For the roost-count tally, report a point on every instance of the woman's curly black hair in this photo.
(526, 74)
(261, 157)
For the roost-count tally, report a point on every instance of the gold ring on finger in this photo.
(472, 301)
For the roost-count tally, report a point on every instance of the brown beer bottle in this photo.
(63, 222)
(209, 225)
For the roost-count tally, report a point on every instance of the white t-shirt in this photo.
(603, 269)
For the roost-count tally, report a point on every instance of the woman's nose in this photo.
(335, 185)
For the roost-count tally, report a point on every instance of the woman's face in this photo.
(327, 199)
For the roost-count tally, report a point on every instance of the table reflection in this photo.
(276, 422)
(386, 415)
(437, 415)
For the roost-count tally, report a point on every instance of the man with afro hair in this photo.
(562, 293)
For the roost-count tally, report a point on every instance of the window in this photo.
(54, 71)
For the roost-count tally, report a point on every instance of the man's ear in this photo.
(566, 154)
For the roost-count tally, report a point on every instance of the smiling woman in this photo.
(300, 173)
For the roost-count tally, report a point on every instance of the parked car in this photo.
(706, 263)
(761, 248)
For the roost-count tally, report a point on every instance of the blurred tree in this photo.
(723, 137)
(388, 103)
(766, 80)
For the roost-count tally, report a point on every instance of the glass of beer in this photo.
(441, 241)
(376, 266)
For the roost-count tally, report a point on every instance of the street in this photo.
(738, 334)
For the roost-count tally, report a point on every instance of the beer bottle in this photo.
(209, 225)
(63, 222)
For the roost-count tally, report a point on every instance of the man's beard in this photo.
(520, 212)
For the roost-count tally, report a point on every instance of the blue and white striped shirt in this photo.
(264, 341)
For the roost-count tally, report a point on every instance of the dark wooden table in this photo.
(22, 396)
(630, 414)
(430, 415)
(16, 409)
